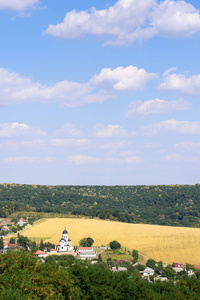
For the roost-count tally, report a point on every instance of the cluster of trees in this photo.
(177, 205)
(61, 277)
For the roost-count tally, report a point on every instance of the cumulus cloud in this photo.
(188, 146)
(110, 131)
(15, 129)
(68, 130)
(130, 20)
(173, 126)
(175, 18)
(17, 89)
(122, 79)
(179, 82)
(174, 157)
(119, 21)
(28, 159)
(69, 142)
(17, 5)
(84, 160)
(156, 106)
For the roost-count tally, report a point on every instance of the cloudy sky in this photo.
(100, 92)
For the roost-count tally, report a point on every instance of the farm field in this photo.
(169, 244)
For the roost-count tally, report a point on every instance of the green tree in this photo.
(115, 245)
(151, 263)
(169, 272)
(12, 240)
(23, 241)
(1, 243)
(86, 242)
(41, 245)
(135, 255)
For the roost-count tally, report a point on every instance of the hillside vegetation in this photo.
(23, 277)
(176, 205)
(167, 243)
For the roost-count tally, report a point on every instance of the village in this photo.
(111, 254)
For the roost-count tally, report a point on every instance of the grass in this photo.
(169, 244)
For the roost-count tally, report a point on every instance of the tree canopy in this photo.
(115, 245)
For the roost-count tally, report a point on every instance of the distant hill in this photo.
(176, 205)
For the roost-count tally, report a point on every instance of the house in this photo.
(197, 267)
(190, 272)
(65, 244)
(87, 255)
(54, 251)
(115, 269)
(5, 246)
(147, 272)
(5, 228)
(178, 267)
(40, 253)
(22, 221)
(162, 279)
(85, 249)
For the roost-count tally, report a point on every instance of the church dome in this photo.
(65, 232)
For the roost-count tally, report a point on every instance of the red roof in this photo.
(197, 267)
(39, 252)
(177, 265)
(85, 248)
(53, 250)
(5, 243)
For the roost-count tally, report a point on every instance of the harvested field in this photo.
(169, 244)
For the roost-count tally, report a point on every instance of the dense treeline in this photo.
(24, 277)
(177, 205)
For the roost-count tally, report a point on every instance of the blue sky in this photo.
(100, 92)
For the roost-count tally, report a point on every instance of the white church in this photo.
(65, 244)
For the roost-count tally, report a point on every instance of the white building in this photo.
(65, 244)
(86, 253)
(147, 272)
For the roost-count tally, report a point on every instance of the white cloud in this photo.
(17, 89)
(8, 130)
(17, 5)
(85, 160)
(179, 82)
(130, 20)
(119, 20)
(69, 142)
(173, 126)
(110, 131)
(156, 106)
(111, 145)
(174, 157)
(188, 146)
(175, 18)
(122, 79)
(28, 159)
(68, 130)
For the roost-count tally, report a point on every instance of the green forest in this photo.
(23, 277)
(175, 205)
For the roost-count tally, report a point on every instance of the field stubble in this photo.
(169, 244)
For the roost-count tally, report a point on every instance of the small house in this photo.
(40, 253)
(85, 249)
(147, 272)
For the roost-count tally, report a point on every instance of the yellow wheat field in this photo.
(169, 244)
